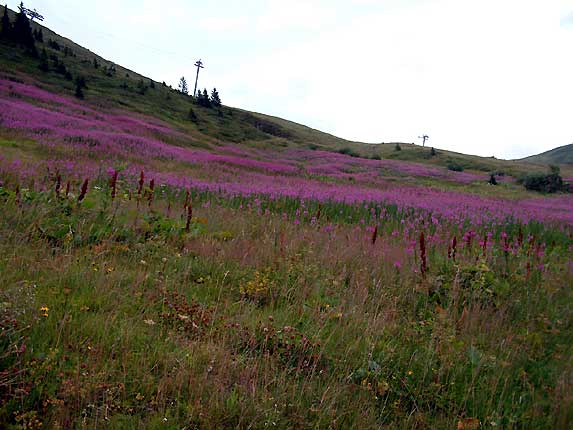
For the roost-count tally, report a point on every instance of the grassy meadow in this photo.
(235, 270)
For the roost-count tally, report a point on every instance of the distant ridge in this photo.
(560, 155)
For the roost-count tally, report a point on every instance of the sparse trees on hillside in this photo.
(183, 88)
(202, 98)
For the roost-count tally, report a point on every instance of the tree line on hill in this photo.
(20, 32)
(202, 98)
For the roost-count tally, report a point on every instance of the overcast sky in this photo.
(489, 77)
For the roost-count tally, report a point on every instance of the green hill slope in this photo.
(112, 86)
(560, 155)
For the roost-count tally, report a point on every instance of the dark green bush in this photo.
(543, 182)
(348, 151)
(455, 166)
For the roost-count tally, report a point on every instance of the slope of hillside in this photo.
(111, 85)
(560, 155)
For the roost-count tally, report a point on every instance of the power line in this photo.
(124, 39)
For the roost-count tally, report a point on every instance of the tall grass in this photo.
(243, 315)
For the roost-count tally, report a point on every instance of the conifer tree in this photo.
(215, 99)
(206, 101)
(183, 85)
(6, 24)
(22, 31)
(199, 98)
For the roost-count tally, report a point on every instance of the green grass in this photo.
(251, 322)
(113, 315)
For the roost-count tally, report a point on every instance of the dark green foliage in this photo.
(44, 65)
(454, 166)
(202, 98)
(183, 88)
(54, 45)
(110, 70)
(376, 157)
(22, 31)
(545, 182)
(492, 180)
(39, 36)
(96, 64)
(151, 84)
(6, 31)
(80, 85)
(433, 152)
(192, 116)
(397, 147)
(215, 99)
(206, 99)
(141, 87)
(348, 151)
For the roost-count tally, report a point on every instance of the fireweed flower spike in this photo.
(83, 190)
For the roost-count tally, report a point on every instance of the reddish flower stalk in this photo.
(317, 216)
(151, 190)
(141, 182)
(424, 262)
(484, 247)
(189, 216)
(453, 249)
(84, 190)
(18, 195)
(520, 237)
(186, 203)
(67, 188)
(58, 183)
(374, 235)
(113, 184)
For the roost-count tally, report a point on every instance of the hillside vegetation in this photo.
(226, 269)
(561, 155)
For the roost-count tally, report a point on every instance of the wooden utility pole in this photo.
(199, 65)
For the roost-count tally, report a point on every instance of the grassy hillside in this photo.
(129, 90)
(561, 155)
(236, 270)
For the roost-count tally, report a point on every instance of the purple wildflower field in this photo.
(82, 141)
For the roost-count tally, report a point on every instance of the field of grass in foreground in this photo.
(136, 312)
